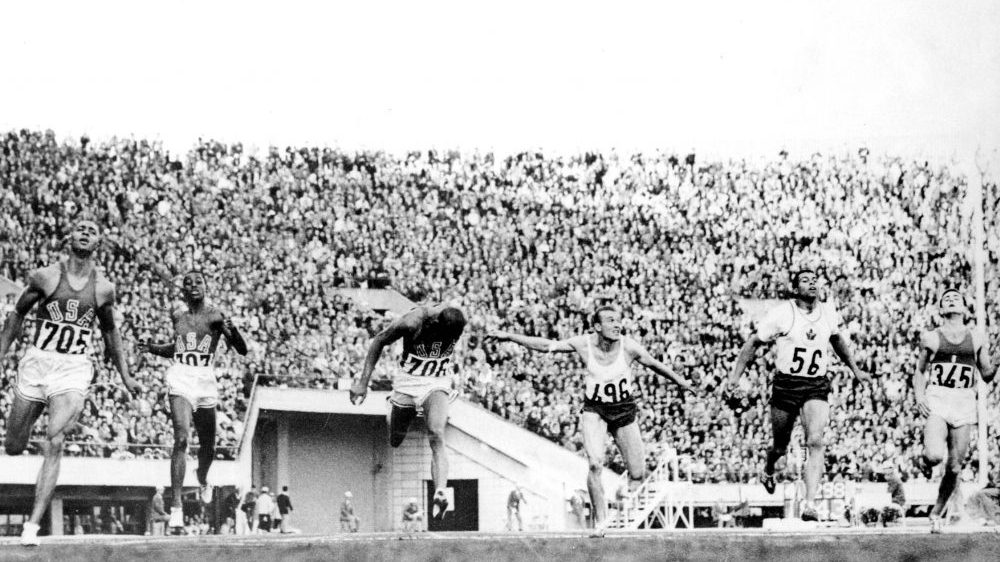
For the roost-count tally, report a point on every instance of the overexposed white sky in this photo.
(716, 76)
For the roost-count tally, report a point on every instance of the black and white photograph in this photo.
(521, 280)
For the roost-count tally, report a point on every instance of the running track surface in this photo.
(877, 545)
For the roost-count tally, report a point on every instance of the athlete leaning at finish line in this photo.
(944, 385)
(609, 404)
(803, 329)
(56, 371)
(423, 382)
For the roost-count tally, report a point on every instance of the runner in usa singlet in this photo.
(426, 356)
(196, 340)
(65, 319)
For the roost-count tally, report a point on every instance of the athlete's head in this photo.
(193, 286)
(450, 322)
(84, 238)
(952, 302)
(607, 322)
(804, 283)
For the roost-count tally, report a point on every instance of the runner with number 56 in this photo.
(804, 329)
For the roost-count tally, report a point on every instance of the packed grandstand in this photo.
(686, 248)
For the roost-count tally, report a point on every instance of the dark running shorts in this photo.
(616, 415)
(789, 393)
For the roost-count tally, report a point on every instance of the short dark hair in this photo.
(797, 275)
(284, 488)
(595, 318)
(452, 320)
(952, 290)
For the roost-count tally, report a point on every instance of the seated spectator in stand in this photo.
(348, 521)
(413, 517)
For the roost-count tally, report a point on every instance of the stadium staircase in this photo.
(659, 502)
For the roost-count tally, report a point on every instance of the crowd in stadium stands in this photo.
(690, 251)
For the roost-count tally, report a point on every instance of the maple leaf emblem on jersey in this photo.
(810, 335)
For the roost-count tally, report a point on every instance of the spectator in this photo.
(250, 508)
(514, 501)
(285, 509)
(895, 485)
(265, 507)
(348, 521)
(158, 516)
(413, 517)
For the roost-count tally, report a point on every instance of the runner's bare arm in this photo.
(746, 355)
(839, 344)
(31, 295)
(113, 346)
(400, 327)
(162, 349)
(234, 338)
(534, 343)
(643, 357)
(927, 347)
(986, 367)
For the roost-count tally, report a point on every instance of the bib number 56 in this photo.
(799, 361)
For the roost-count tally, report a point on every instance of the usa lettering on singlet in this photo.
(196, 341)
(64, 321)
(802, 339)
(608, 384)
(953, 365)
(426, 359)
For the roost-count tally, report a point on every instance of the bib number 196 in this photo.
(610, 392)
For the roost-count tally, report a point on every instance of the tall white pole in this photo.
(975, 187)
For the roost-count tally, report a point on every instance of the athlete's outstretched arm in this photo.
(986, 367)
(15, 320)
(532, 342)
(112, 337)
(920, 377)
(746, 355)
(233, 337)
(162, 349)
(645, 359)
(396, 330)
(839, 344)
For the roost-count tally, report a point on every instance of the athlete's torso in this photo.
(608, 383)
(953, 365)
(195, 340)
(65, 318)
(804, 350)
(427, 354)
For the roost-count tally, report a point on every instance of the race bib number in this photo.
(63, 338)
(952, 375)
(613, 391)
(194, 359)
(425, 366)
(807, 362)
